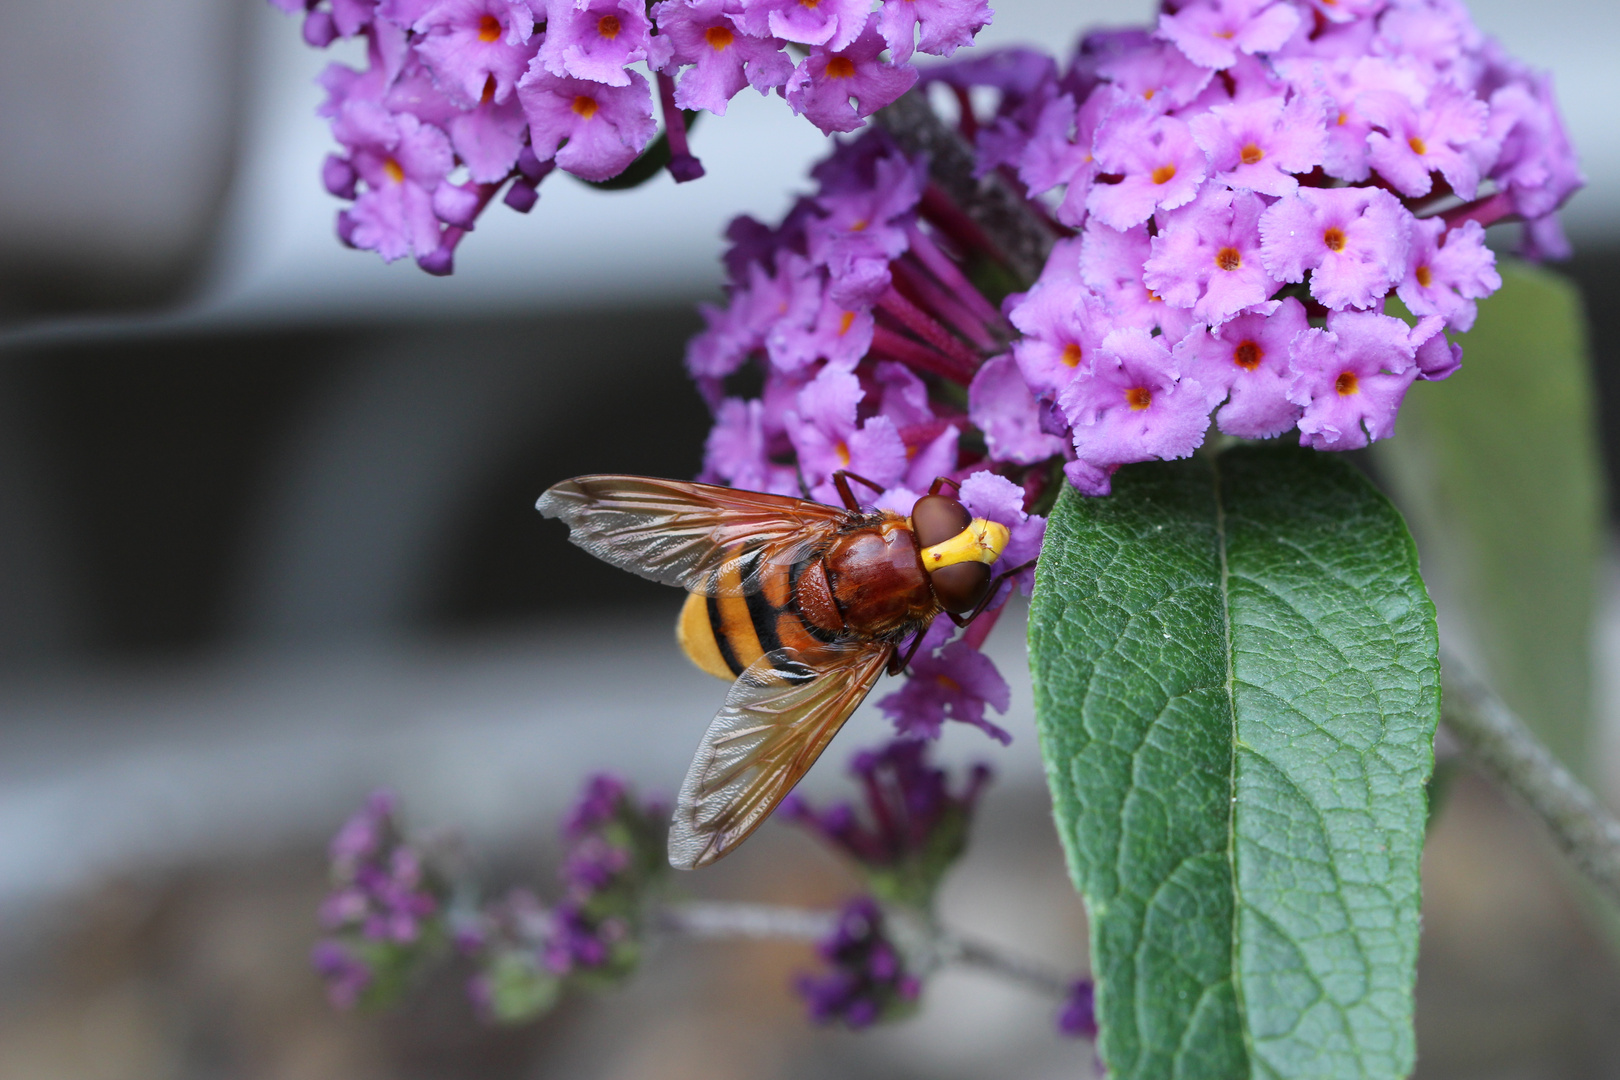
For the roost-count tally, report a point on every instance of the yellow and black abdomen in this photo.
(722, 635)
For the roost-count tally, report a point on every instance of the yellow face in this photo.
(982, 541)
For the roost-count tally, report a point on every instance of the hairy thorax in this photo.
(877, 577)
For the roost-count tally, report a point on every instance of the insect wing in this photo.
(778, 717)
(706, 539)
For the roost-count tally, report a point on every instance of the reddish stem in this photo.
(682, 165)
(1487, 211)
(889, 344)
(925, 326)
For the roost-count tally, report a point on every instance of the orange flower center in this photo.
(1334, 239)
(1071, 355)
(1138, 398)
(718, 37)
(1147, 95)
(608, 26)
(840, 67)
(1251, 154)
(489, 29)
(395, 173)
(845, 321)
(1418, 146)
(585, 107)
(1229, 258)
(842, 450)
(1344, 118)
(1347, 384)
(1247, 356)
(1424, 276)
(1164, 174)
(859, 224)
(948, 683)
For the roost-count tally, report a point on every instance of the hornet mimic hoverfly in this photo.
(802, 605)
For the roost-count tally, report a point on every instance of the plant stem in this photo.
(710, 919)
(1499, 741)
(990, 202)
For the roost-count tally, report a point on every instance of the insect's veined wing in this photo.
(779, 716)
(706, 539)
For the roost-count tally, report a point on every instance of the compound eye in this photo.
(959, 588)
(937, 518)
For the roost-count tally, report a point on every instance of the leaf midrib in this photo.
(1231, 775)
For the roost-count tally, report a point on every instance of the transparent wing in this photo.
(779, 716)
(706, 539)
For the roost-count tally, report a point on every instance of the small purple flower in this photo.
(476, 48)
(1246, 361)
(595, 40)
(1351, 378)
(1259, 145)
(1111, 264)
(832, 24)
(1154, 72)
(1078, 1017)
(402, 162)
(825, 83)
(1000, 405)
(1446, 271)
(1062, 323)
(1207, 256)
(868, 981)
(947, 682)
(1153, 159)
(1437, 358)
(1353, 241)
(1443, 136)
(597, 805)
(1060, 150)
(945, 25)
(1132, 406)
(346, 975)
(1212, 32)
(738, 451)
(592, 130)
(705, 34)
(489, 138)
(911, 827)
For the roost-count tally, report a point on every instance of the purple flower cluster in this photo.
(1248, 184)
(462, 96)
(866, 980)
(385, 913)
(880, 356)
(913, 826)
(527, 953)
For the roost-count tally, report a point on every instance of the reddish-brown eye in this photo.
(937, 518)
(960, 587)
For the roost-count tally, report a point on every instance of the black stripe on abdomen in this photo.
(722, 640)
(762, 613)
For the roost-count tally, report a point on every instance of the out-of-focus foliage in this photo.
(1499, 476)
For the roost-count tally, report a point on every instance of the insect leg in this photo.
(841, 480)
(898, 663)
(941, 481)
(990, 594)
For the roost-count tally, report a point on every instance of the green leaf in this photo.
(1237, 685)
(1497, 470)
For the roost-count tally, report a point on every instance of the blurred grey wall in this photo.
(118, 123)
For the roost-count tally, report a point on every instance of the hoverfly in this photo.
(802, 605)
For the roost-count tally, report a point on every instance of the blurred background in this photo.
(267, 543)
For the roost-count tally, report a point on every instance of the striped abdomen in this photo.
(793, 608)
